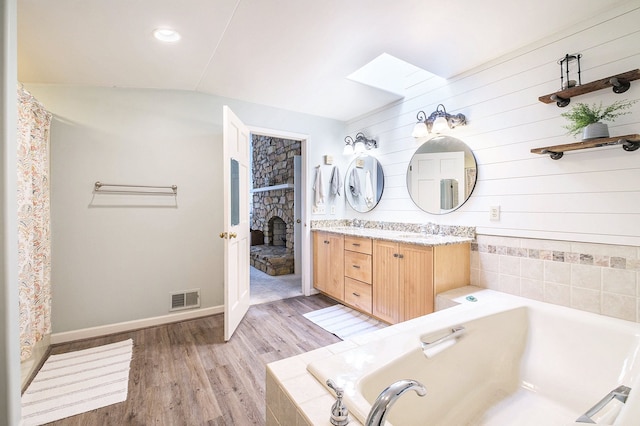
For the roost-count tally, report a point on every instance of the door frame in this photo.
(305, 268)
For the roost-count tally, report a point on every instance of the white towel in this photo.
(335, 183)
(354, 183)
(368, 190)
(318, 197)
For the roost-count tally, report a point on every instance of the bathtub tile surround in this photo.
(598, 278)
(424, 228)
(294, 396)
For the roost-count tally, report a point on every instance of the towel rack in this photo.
(98, 187)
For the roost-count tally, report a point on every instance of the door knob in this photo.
(223, 235)
(232, 235)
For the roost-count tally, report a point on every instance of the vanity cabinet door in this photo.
(328, 264)
(416, 274)
(387, 291)
(402, 281)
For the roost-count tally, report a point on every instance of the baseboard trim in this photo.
(104, 330)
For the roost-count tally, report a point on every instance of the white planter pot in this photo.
(595, 131)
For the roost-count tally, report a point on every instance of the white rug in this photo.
(344, 322)
(76, 382)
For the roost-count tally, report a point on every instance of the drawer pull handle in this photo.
(356, 266)
(356, 245)
(395, 254)
(401, 256)
(326, 242)
(356, 294)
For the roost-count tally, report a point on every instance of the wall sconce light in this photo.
(360, 144)
(438, 121)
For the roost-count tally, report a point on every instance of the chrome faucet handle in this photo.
(339, 411)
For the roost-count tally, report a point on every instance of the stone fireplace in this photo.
(273, 203)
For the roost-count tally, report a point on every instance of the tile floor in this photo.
(267, 288)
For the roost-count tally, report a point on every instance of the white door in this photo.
(236, 144)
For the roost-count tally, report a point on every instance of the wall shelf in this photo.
(619, 82)
(273, 187)
(628, 142)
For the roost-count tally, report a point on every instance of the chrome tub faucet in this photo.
(388, 397)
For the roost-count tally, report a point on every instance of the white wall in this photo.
(116, 261)
(591, 195)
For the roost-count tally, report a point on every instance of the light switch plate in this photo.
(494, 213)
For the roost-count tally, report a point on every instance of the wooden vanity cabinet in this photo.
(392, 281)
(406, 277)
(328, 264)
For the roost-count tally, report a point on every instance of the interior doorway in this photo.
(277, 215)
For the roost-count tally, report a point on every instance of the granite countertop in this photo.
(423, 239)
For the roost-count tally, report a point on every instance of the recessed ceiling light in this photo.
(166, 34)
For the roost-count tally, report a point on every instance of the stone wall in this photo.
(273, 165)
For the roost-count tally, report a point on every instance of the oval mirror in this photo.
(364, 183)
(441, 175)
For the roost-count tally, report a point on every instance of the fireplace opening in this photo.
(277, 232)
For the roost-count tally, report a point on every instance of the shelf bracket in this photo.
(628, 145)
(619, 86)
(553, 154)
(560, 101)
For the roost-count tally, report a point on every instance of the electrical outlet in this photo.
(494, 213)
(318, 210)
(333, 210)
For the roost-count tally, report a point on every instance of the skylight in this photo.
(388, 73)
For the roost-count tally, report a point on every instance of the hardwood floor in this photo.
(185, 374)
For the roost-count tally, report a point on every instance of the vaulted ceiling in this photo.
(290, 54)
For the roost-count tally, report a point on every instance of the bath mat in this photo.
(344, 322)
(77, 382)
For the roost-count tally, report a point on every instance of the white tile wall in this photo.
(598, 278)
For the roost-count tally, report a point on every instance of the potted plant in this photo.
(588, 118)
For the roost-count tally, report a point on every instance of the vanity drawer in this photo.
(358, 294)
(357, 266)
(359, 244)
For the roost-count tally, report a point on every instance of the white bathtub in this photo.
(519, 362)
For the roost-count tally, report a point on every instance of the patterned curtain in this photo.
(34, 241)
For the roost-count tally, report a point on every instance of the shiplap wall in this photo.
(591, 195)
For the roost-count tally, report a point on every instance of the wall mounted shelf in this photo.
(619, 82)
(273, 187)
(628, 142)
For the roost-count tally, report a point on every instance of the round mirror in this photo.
(364, 183)
(441, 175)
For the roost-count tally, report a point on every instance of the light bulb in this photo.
(420, 130)
(440, 124)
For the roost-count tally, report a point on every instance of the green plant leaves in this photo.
(581, 115)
